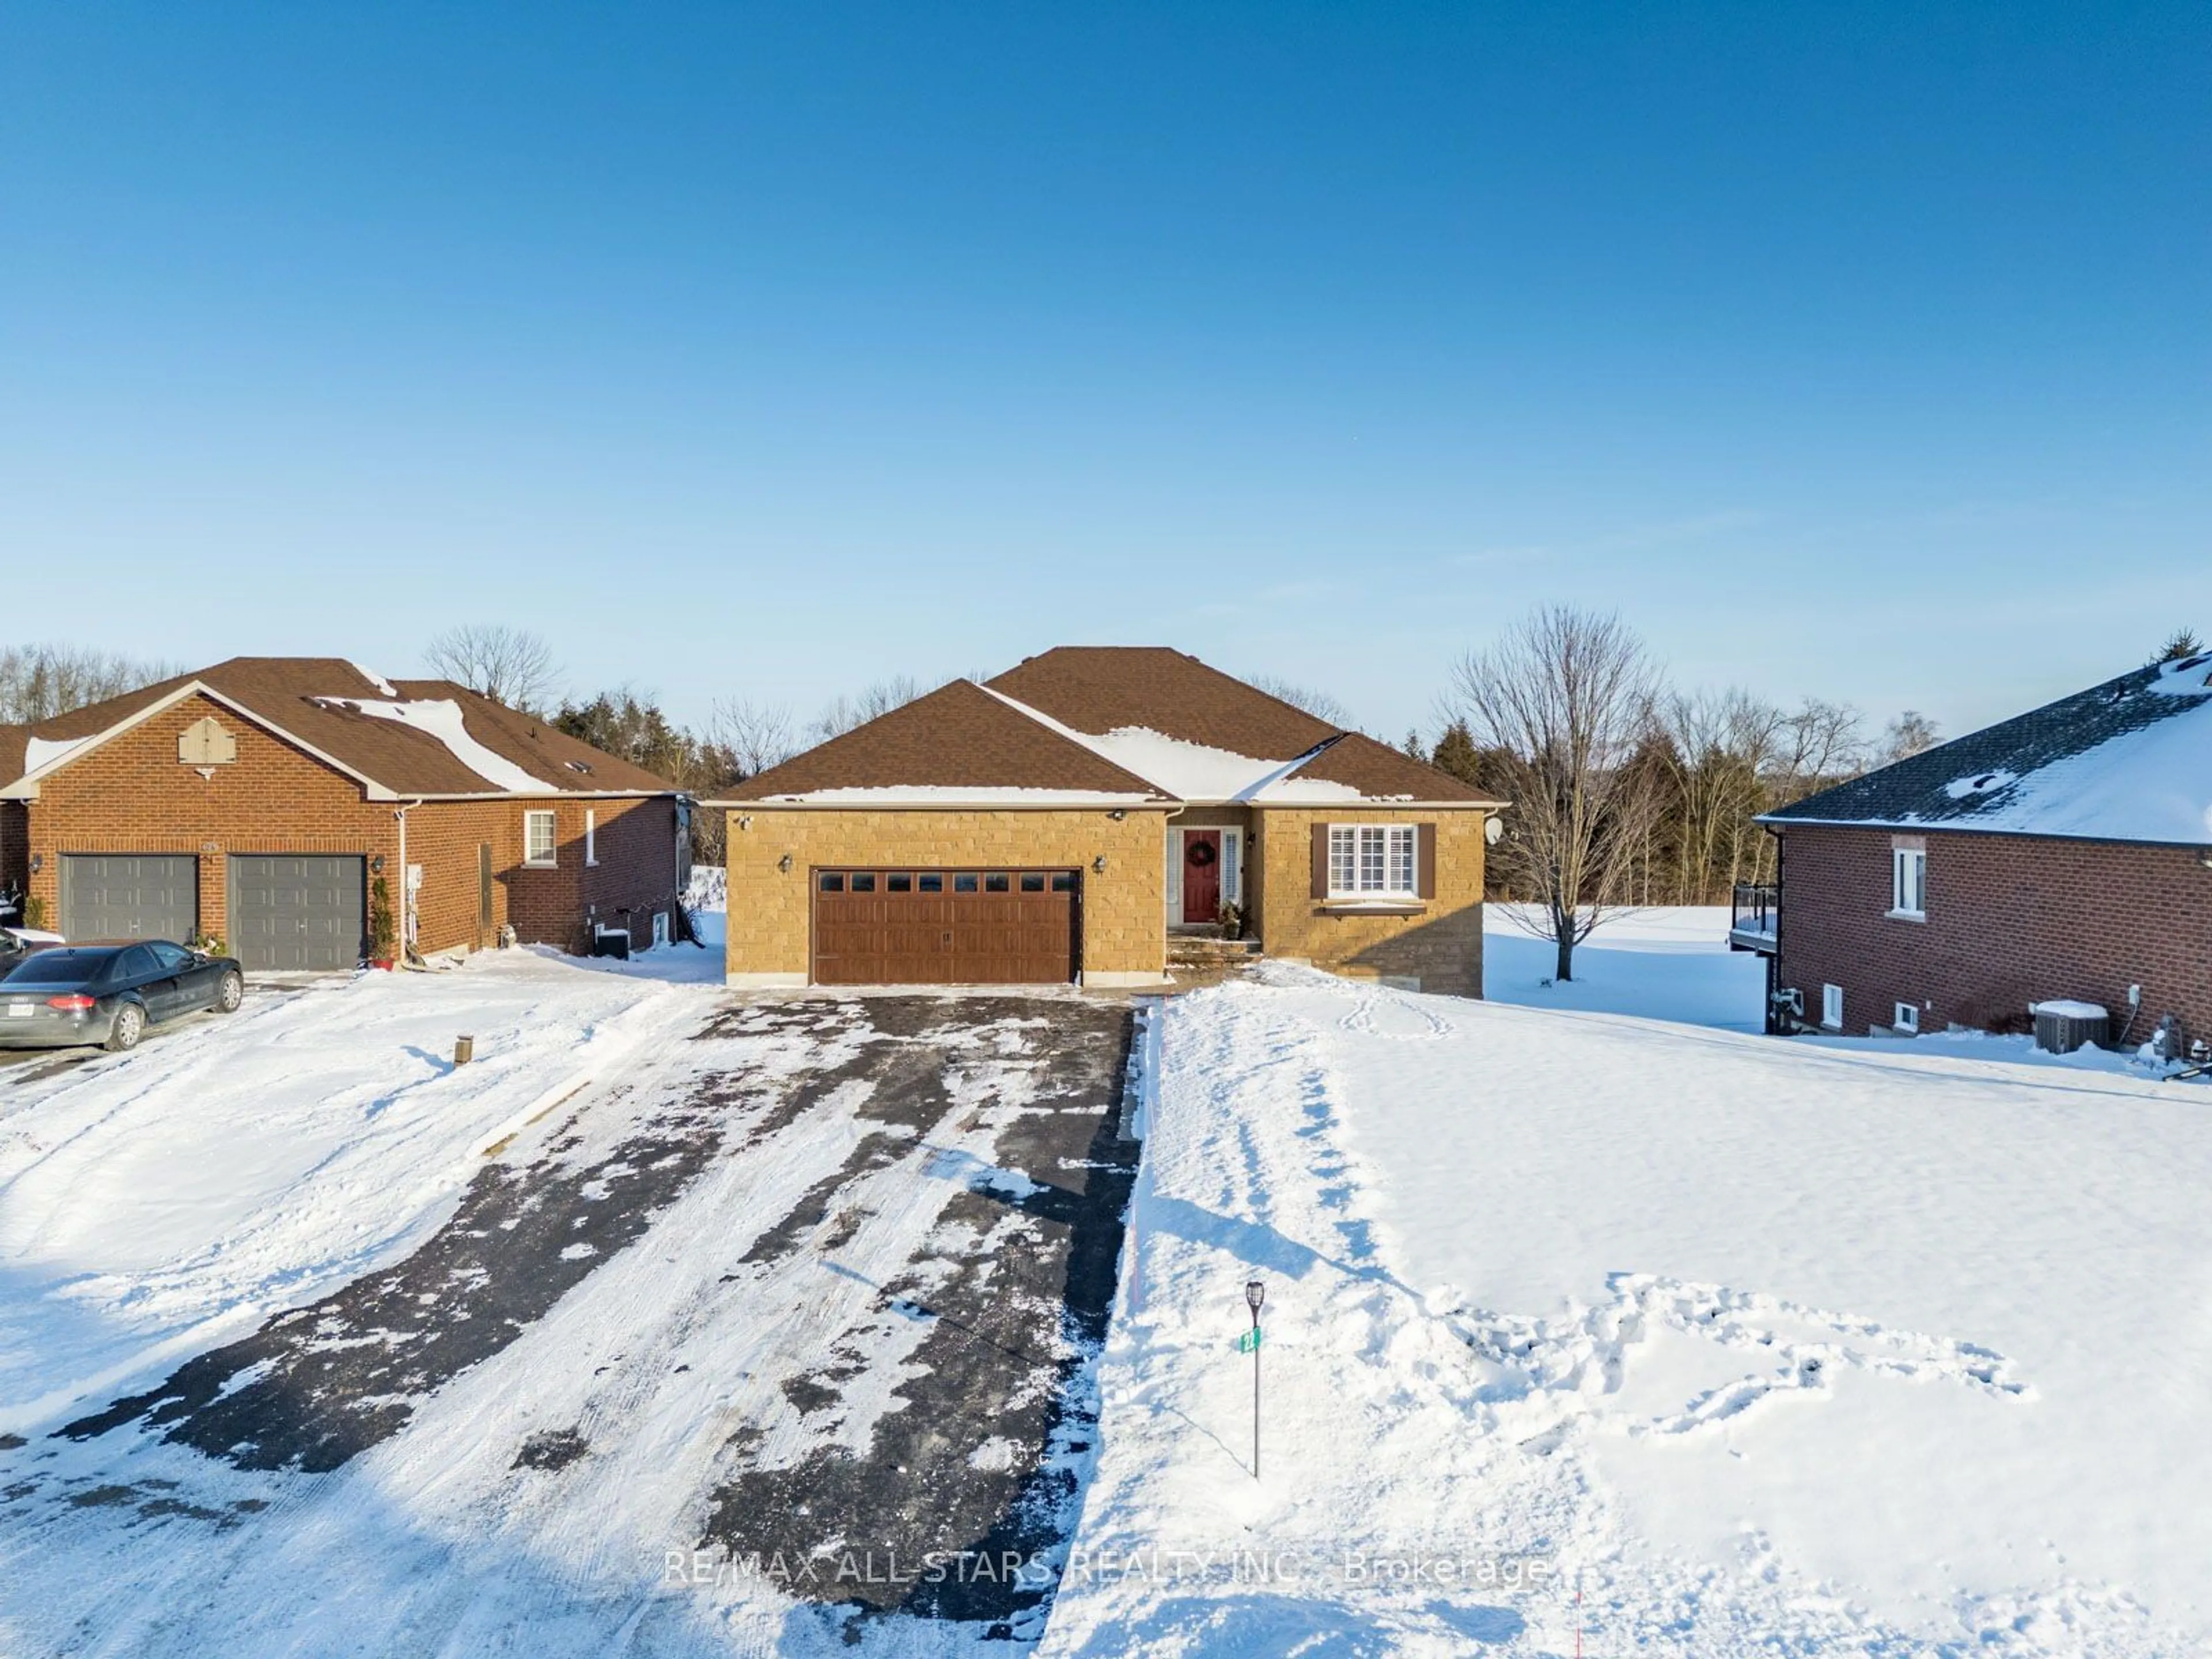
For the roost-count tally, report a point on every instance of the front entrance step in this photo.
(1192, 949)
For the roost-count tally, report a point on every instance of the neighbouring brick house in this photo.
(1068, 820)
(258, 800)
(2065, 855)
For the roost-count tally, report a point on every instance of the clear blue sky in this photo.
(1857, 350)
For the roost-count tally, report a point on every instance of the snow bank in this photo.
(156, 1204)
(1751, 1345)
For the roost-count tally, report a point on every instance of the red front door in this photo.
(1201, 875)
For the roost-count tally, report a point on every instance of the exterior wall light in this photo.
(1098, 864)
(745, 821)
(37, 862)
(376, 865)
(784, 864)
(1117, 815)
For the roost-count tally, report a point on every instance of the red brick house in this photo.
(258, 802)
(2063, 854)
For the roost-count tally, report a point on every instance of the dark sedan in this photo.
(109, 993)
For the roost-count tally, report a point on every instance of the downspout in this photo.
(409, 956)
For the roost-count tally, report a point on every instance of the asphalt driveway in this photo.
(792, 1331)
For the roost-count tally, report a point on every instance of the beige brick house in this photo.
(259, 800)
(1068, 820)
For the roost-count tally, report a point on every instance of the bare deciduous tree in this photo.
(1907, 735)
(1319, 704)
(1563, 699)
(508, 665)
(38, 681)
(844, 713)
(758, 735)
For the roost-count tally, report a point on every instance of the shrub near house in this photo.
(258, 800)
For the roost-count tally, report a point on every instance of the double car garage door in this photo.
(945, 926)
(287, 911)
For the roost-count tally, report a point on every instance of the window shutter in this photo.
(1425, 861)
(1321, 861)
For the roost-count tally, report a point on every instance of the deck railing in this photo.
(1755, 909)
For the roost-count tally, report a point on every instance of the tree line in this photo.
(1628, 790)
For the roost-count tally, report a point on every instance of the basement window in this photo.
(1831, 1007)
(1908, 1017)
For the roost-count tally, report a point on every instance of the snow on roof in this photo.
(377, 680)
(2130, 760)
(1194, 772)
(43, 751)
(441, 718)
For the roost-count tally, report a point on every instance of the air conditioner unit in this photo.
(2063, 1026)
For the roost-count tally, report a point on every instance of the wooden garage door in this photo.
(945, 926)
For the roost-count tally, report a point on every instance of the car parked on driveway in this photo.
(109, 993)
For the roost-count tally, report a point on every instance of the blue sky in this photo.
(765, 350)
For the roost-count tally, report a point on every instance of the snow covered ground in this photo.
(1667, 962)
(1595, 1320)
(154, 1204)
(1588, 1331)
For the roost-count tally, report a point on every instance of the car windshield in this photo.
(62, 967)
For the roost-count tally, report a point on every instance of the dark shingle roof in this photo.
(307, 698)
(2129, 760)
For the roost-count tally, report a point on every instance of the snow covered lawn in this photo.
(1585, 1327)
(156, 1203)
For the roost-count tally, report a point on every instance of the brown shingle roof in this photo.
(306, 697)
(957, 737)
(1102, 688)
(962, 737)
(1105, 688)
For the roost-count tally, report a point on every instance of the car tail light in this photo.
(75, 1003)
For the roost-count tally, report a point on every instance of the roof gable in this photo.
(959, 741)
(405, 739)
(1130, 722)
(2129, 760)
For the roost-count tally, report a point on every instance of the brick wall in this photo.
(2011, 919)
(132, 795)
(1440, 946)
(771, 910)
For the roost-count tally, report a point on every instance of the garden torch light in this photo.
(1254, 1294)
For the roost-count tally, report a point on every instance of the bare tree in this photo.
(508, 665)
(843, 712)
(38, 681)
(1319, 704)
(1563, 699)
(758, 735)
(1720, 748)
(1907, 735)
